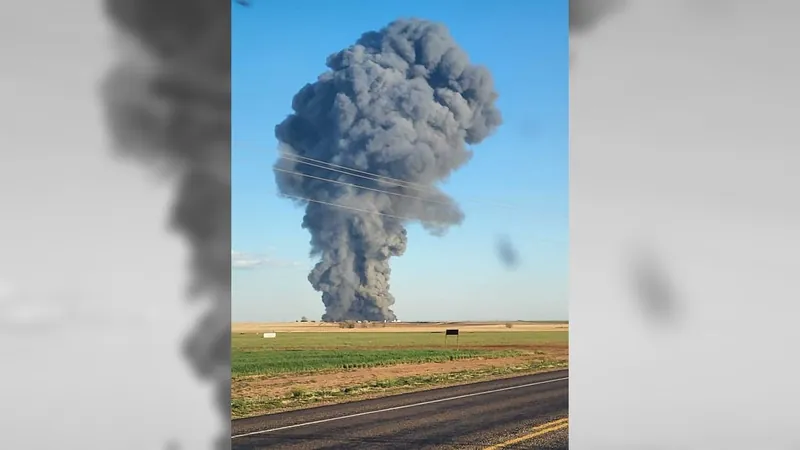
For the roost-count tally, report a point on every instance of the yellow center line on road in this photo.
(539, 430)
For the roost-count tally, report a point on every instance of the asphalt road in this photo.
(527, 412)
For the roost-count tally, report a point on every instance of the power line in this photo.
(369, 176)
(346, 207)
(378, 213)
(336, 205)
(361, 187)
(375, 177)
(363, 174)
(390, 179)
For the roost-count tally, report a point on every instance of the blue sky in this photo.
(280, 46)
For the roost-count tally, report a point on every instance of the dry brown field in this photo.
(418, 327)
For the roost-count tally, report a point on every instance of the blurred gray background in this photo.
(684, 219)
(92, 286)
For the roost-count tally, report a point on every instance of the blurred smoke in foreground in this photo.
(652, 287)
(168, 104)
(585, 15)
(507, 252)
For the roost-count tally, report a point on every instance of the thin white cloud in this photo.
(244, 261)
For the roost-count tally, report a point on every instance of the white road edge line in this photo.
(395, 408)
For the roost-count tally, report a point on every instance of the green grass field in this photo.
(312, 352)
(272, 361)
(273, 374)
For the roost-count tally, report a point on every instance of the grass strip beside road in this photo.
(300, 398)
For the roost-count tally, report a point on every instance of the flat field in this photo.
(311, 363)
(397, 327)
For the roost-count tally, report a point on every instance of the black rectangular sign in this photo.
(451, 332)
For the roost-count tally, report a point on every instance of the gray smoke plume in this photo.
(402, 102)
(168, 104)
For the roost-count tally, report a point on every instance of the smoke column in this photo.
(168, 104)
(402, 102)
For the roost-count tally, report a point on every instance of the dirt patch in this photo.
(276, 386)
